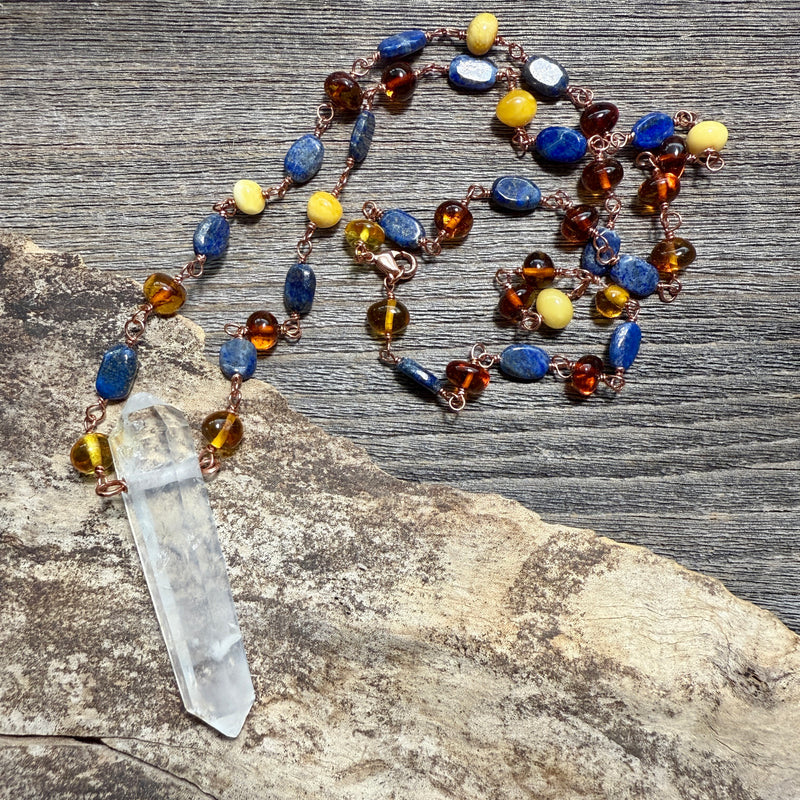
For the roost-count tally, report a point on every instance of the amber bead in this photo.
(673, 145)
(602, 176)
(672, 255)
(659, 189)
(399, 81)
(538, 270)
(165, 293)
(91, 451)
(512, 302)
(472, 378)
(344, 91)
(388, 317)
(223, 430)
(599, 118)
(453, 219)
(611, 300)
(262, 330)
(366, 231)
(579, 222)
(586, 374)
(673, 163)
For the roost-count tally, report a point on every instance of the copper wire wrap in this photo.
(290, 328)
(210, 463)
(136, 324)
(105, 487)
(95, 414)
(579, 96)
(277, 192)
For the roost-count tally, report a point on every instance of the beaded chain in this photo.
(527, 298)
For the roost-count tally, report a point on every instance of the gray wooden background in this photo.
(123, 122)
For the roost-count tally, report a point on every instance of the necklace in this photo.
(159, 474)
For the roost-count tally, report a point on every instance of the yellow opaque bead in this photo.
(90, 451)
(324, 209)
(555, 308)
(366, 231)
(516, 109)
(705, 135)
(248, 197)
(481, 34)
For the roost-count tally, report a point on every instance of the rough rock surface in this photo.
(405, 641)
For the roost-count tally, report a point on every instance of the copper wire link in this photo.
(362, 66)
(561, 366)
(136, 324)
(304, 246)
(685, 119)
(95, 414)
(558, 201)
(325, 115)
(456, 400)
(344, 177)
(192, 269)
(226, 208)
(529, 320)
(209, 460)
(579, 96)
(479, 355)
(105, 487)
(277, 192)
(235, 396)
(290, 328)
(515, 50)
(668, 291)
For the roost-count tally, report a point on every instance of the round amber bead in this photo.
(366, 231)
(453, 219)
(579, 222)
(661, 189)
(672, 255)
(388, 317)
(165, 293)
(516, 109)
(611, 300)
(512, 302)
(672, 163)
(399, 81)
(262, 330)
(602, 176)
(344, 91)
(586, 374)
(538, 270)
(91, 451)
(598, 118)
(223, 430)
(472, 378)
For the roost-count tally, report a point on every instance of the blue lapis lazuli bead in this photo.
(117, 372)
(402, 44)
(589, 256)
(525, 362)
(403, 229)
(624, 345)
(635, 274)
(545, 76)
(211, 236)
(299, 289)
(361, 137)
(561, 145)
(650, 131)
(238, 357)
(472, 74)
(304, 158)
(417, 373)
(515, 193)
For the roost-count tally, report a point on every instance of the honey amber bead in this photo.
(611, 300)
(599, 118)
(388, 317)
(366, 231)
(344, 91)
(453, 219)
(472, 378)
(223, 430)
(165, 293)
(262, 329)
(659, 189)
(673, 163)
(91, 451)
(672, 255)
(538, 270)
(602, 176)
(579, 222)
(586, 374)
(512, 302)
(516, 109)
(399, 81)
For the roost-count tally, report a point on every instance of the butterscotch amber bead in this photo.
(602, 176)
(366, 231)
(453, 219)
(165, 293)
(586, 374)
(472, 378)
(512, 302)
(388, 317)
(91, 451)
(598, 118)
(223, 430)
(672, 255)
(262, 329)
(579, 222)
(611, 300)
(399, 81)
(344, 91)
(659, 189)
(538, 270)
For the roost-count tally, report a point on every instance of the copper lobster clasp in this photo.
(396, 265)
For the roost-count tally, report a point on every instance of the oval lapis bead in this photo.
(545, 76)
(472, 74)
(417, 373)
(361, 137)
(299, 289)
(402, 228)
(304, 158)
(559, 144)
(117, 372)
(238, 357)
(515, 193)
(652, 129)
(211, 236)
(402, 44)
(589, 256)
(624, 345)
(525, 362)
(635, 274)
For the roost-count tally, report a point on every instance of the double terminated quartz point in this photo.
(175, 534)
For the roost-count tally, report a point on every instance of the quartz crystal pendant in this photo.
(176, 537)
